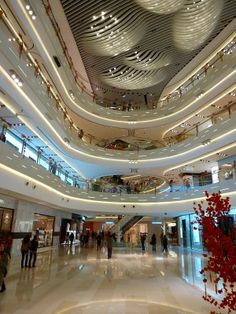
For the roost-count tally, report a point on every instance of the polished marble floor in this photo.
(82, 280)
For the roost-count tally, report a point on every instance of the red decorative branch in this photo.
(221, 249)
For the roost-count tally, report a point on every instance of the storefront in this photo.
(190, 236)
(43, 227)
(6, 217)
(227, 168)
(68, 226)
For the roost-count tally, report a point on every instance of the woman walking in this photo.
(25, 251)
(153, 243)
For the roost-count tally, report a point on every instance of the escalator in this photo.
(130, 223)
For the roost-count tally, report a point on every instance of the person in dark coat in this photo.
(153, 242)
(25, 251)
(4, 259)
(54, 168)
(99, 242)
(109, 245)
(71, 238)
(33, 250)
(143, 239)
(165, 244)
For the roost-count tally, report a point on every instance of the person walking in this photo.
(71, 238)
(109, 245)
(153, 243)
(143, 239)
(171, 182)
(54, 168)
(25, 251)
(50, 163)
(67, 239)
(165, 244)
(99, 242)
(4, 258)
(33, 250)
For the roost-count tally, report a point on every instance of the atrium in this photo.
(116, 117)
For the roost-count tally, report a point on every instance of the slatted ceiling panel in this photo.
(156, 42)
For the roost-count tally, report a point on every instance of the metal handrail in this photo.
(196, 127)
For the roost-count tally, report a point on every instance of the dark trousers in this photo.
(24, 258)
(34, 255)
(109, 252)
(165, 248)
(3, 286)
(143, 246)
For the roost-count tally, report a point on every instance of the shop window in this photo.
(43, 227)
(6, 216)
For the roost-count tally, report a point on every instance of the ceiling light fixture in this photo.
(206, 142)
(16, 78)
(30, 12)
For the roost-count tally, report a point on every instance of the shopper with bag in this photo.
(153, 242)
(33, 250)
(25, 251)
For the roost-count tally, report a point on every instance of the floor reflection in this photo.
(124, 306)
(79, 280)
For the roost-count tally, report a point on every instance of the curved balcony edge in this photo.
(22, 177)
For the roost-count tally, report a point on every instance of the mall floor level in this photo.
(82, 280)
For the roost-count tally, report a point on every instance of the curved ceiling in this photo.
(140, 37)
(148, 60)
(160, 6)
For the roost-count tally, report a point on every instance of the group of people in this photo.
(103, 240)
(153, 242)
(28, 255)
(29, 251)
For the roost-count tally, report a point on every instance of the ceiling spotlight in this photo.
(16, 78)
(206, 142)
(27, 6)
(71, 95)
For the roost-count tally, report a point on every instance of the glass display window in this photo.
(6, 217)
(43, 227)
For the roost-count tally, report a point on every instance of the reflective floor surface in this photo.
(84, 281)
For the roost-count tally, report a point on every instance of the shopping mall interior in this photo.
(116, 117)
